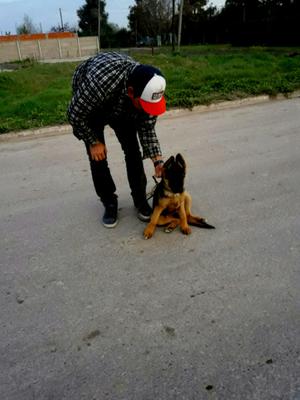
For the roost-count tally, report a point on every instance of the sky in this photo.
(45, 14)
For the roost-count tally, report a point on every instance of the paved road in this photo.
(89, 313)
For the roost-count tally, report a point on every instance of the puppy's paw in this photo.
(186, 230)
(170, 228)
(148, 233)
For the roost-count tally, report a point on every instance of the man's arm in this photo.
(150, 144)
(84, 102)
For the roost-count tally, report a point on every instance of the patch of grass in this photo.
(206, 74)
(37, 95)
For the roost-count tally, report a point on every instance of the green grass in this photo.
(34, 96)
(37, 94)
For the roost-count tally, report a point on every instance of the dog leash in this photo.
(150, 194)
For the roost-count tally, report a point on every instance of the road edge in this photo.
(173, 113)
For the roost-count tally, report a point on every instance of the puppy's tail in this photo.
(199, 222)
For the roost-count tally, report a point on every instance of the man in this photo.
(113, 89)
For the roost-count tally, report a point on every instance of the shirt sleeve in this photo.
(84, 102)
(148, 138)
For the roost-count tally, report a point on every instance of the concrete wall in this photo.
(48, 49)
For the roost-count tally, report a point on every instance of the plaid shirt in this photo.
(100, 98)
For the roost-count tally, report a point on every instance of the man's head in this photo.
(146, 86)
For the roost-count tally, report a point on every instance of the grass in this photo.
(37, 95)
(34, 96)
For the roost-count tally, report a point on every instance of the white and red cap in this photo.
(149, 86)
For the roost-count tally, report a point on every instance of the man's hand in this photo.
(158, 165)
(98, 151)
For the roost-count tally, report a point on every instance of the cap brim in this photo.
(153, 108)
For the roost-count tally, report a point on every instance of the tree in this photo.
(149, 18)
(88, 21)
(264, 22)
(193, 21)
(123, 38)
(26, 27)
(111, 34)
(88, 17)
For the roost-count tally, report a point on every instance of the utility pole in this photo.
(61, 20)
(136, 32)
(99, 24)
(180, 24)
(173, 25)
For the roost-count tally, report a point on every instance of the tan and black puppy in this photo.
(171, 203)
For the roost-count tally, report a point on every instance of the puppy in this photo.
(171, 203)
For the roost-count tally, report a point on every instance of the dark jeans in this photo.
(103, 181)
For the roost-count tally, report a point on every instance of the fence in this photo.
(49, 48)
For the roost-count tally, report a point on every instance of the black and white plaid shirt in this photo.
(100, 98)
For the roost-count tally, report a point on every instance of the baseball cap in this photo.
(149, 86)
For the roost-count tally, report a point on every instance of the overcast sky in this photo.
(46, 13)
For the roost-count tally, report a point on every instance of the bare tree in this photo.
(27, 26)
(66, 28)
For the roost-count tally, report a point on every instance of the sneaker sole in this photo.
(110, 225)
(143, 218)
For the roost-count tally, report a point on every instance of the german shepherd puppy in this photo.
(171, 203)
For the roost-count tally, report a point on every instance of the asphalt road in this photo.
(88, 313)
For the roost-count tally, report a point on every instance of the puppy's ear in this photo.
(180, 161)
(169, 162)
